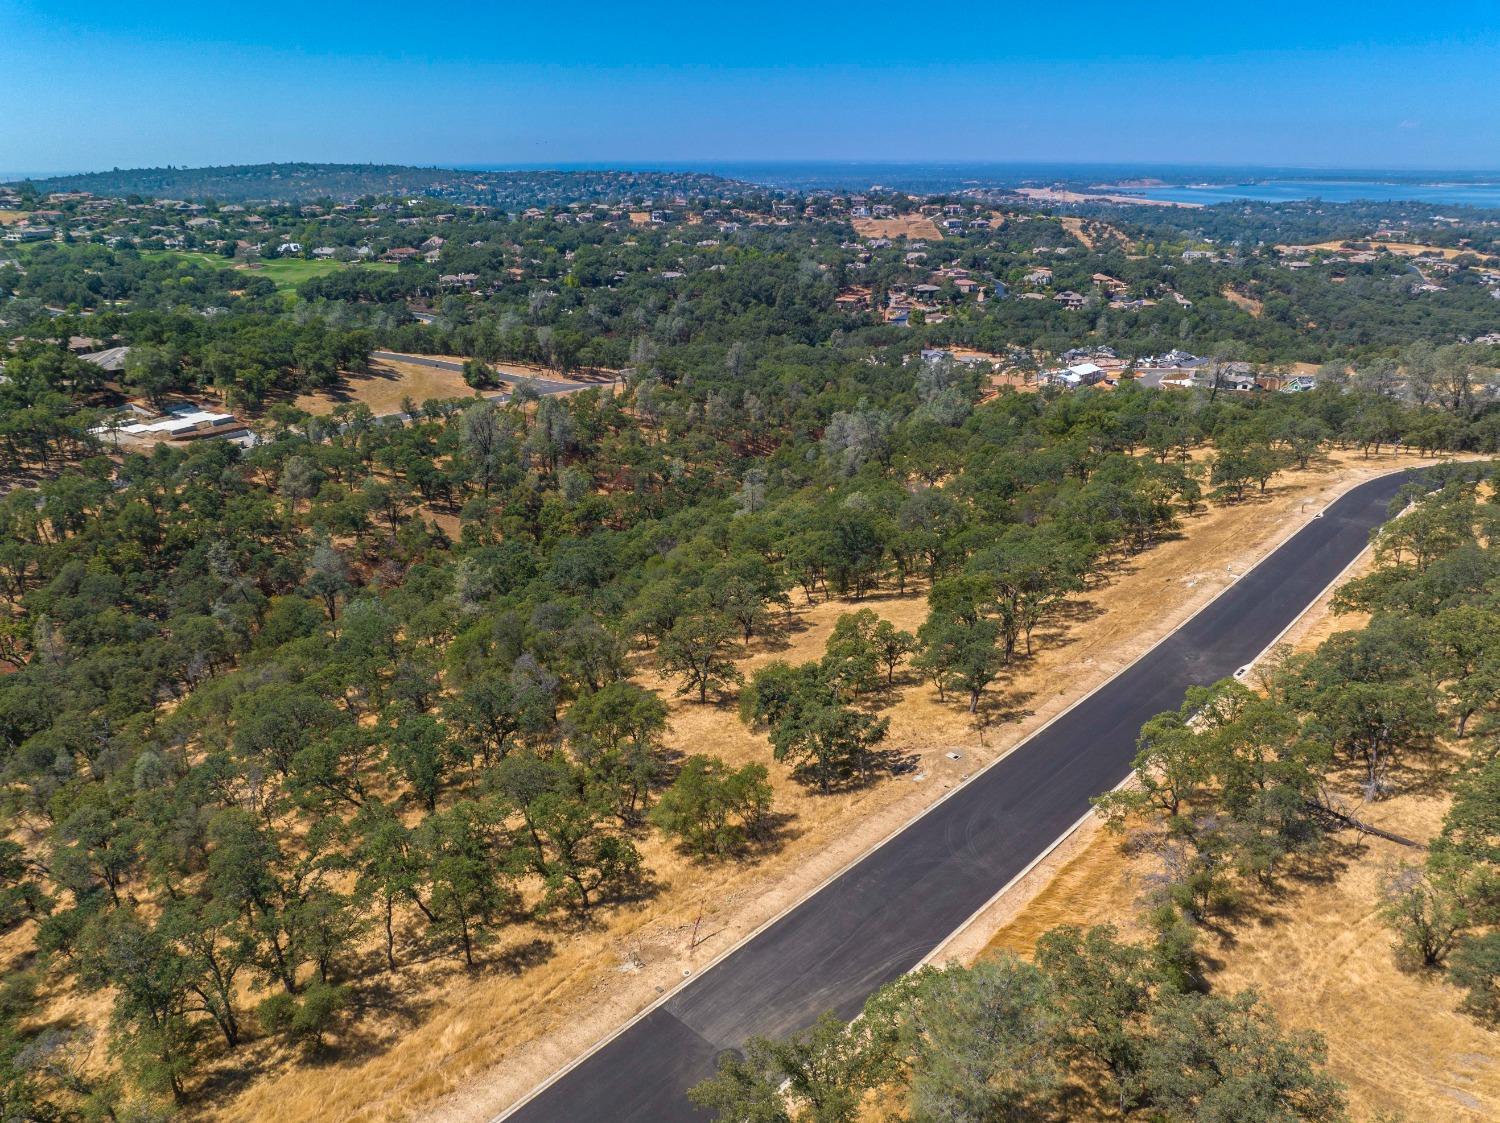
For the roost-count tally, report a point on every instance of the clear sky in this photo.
(91, 84)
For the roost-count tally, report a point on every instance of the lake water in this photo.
(1187, 182)
(1329, 190)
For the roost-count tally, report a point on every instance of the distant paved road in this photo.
(540, 385)
(887, 912)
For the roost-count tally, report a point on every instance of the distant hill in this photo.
(300, 182)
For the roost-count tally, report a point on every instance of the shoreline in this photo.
(1061, 195)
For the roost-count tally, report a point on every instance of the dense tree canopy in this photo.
(278, 719)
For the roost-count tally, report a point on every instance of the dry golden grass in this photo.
(1091, 232)
(1077, 228)
(390, 382)
(901, 226)
(387, 384)
(9, 217)
(1320, 956)
(1406, 249)
(1239, 299)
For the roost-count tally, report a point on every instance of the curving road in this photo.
(884, 914)
(542, 386)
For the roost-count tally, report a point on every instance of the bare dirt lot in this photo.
(1406, 249)
(391, 382)
(1091, 233)
(998, 373)
(1240, 300)
(387, 385)
(902, 226)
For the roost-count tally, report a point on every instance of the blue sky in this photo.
(87, 84)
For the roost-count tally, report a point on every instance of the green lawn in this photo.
(285, 272)
(210, 259)
(289, 272)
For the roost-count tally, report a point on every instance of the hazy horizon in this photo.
(96, 86)
(725, 165)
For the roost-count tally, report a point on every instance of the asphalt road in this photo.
(884, 914)
(540, 385)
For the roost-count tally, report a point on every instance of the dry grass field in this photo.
(385, 387)
(902, 226)
(1406, 249)
(391, 382)
(1091, 232)
(1240, 300)
(1078, 228)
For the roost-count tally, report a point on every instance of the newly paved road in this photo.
(540, 385)
(884, 914)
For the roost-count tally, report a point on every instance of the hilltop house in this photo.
(28, 234)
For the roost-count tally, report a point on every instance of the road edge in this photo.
(940, 952)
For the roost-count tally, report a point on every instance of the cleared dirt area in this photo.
(1240, 300)
(1091, 233)
(1406, 249)
(995, 370)
(902, 226)
(391, 382)
(1318, 953)
(1079, 229)
(387, 385)
(999, 373)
